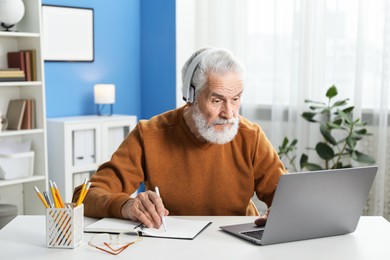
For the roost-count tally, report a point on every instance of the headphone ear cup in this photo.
(192, 93)
(188, 88)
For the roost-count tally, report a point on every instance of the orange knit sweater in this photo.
(194, 178)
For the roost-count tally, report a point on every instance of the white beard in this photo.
(208, 132)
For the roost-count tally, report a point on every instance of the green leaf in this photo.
(361, 131)
(338, 121)
(348, 110)
(346, 117)
(327, 135)
(340, 103)
(357, 137)
(292, 145)
(309, 116)
(312, 167)
(360, 124)
(332, 92)
(294, 142)
(324, 151)
(325, 111)
(333, 126)
(363, 158)
(316, 107)
(338, 165)
(351, 142)
(314, 102)
(303, 160)
(353, 154)
(285, 142)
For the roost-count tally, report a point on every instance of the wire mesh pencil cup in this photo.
(65, 226)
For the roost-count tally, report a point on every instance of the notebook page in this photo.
(176, 227)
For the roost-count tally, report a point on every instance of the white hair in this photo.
(218, 61)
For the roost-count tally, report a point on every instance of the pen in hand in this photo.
(162, 216)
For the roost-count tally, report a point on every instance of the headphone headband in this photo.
(188, 88)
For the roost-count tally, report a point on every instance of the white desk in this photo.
(24, 238)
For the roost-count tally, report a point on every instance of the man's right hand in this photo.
(146, 208)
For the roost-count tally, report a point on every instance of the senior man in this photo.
(205, 158)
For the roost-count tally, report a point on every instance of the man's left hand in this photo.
(260, 222)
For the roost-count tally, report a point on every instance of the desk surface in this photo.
(24, 238)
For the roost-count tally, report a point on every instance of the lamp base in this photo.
(102, 109)
(7, 27)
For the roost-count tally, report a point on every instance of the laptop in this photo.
(311, 205)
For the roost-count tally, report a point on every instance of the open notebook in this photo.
(176, 227)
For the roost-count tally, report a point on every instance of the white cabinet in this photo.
(78, 145)
(26, 37)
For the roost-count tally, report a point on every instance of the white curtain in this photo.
(295, 50)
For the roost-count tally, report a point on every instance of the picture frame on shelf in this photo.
(68, 33)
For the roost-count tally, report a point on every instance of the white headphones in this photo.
(188, 88)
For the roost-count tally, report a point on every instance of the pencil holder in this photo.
(65, 226)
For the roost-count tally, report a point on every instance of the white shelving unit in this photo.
(27, 36)
(78, 145)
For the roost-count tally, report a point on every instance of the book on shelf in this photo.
(13, 74)
(21, 114)
(15, 113)
(25, 60)
(16, 60)
(33, 113)
(9, 79)
(28, 121)
(33, 59)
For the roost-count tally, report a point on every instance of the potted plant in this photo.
(340, 135)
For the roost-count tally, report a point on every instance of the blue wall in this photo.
(158, 52)
(128, 47)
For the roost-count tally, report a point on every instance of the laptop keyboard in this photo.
(258, 234)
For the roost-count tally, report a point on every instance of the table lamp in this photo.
(104, 94)
(11, 12)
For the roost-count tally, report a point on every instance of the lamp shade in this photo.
(11, 12)
(104, 93)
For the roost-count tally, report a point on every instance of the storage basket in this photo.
(16, 165)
